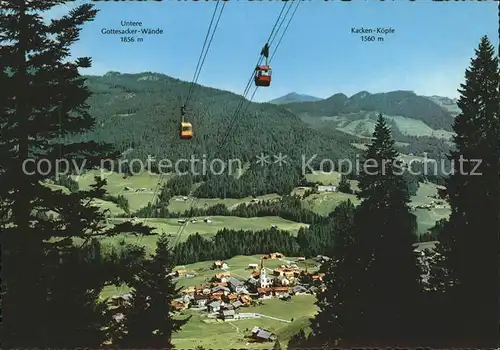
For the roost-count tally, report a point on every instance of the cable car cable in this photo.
(197, 74)
(281, 23)
(284, 31)
(235, 117)
(249, 84)
(191, 88)
(277, 21)
(240, 103)
(199, 66)
(201, 61)
(275, 50)
(155, 200)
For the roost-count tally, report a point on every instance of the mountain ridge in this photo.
(294, 97)
(448, 103)
(401, 103)
(141, 111)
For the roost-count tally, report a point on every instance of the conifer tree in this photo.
(466, 276)
(50, 268)
(344, 184)
(297, 340)
(373, 280)
(335, 299)
(149, 321)
(388, 288)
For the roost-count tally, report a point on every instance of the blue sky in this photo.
(428, 53)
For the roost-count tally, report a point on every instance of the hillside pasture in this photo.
(180, 204)
(138, 189)
(426, 218)
(231, 335)
(172, 226)
(330, 178)
(407, 126)
(364, 126)
(110, 207)
(322, 203)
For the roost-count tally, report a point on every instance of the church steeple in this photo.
(262, 276)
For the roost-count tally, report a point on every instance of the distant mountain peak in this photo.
(294, 97)
(361, 94)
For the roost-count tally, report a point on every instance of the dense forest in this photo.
(139, 113)
(142, 112)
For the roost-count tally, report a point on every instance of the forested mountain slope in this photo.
(450, 104)
(404, 104)
(142, 111)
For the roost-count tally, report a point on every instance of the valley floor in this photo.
(200, 330)
(282, 318)
(139, 190)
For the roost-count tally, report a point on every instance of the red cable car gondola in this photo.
(262, 76)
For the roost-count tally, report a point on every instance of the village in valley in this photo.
(220, 292)
(222, 296)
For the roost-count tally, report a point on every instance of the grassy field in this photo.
(117, 185)
(321, 203)
(171, 226)
(180, 204)
(407, 126)
(427, 218)
(330, 178)
(324, 203)
(228, 335)
(104, 205)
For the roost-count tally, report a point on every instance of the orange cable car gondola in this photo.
(262, 75)
(186, 128)
(186, 131)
